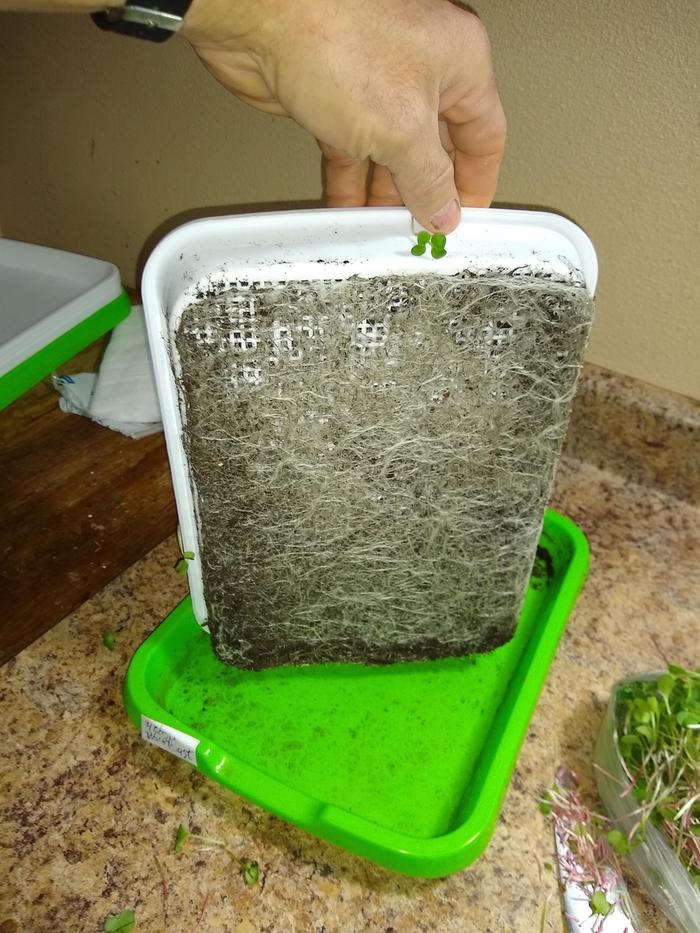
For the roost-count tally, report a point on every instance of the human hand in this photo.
(400, 94)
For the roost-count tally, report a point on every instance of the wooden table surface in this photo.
(79, 504)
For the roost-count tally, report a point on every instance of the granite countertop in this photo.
(89, 811)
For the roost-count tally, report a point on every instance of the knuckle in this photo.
(495, 122)
(474, 30)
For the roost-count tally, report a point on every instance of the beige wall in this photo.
(105, 142)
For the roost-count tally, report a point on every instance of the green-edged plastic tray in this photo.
(32, 370)
(406, 765)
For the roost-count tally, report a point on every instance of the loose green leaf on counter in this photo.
(251, 872)
(109, 640)
(180, 838)
(121, 923)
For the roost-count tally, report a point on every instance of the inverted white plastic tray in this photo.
(45, 292)
(323, 244)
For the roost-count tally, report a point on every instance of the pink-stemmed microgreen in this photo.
(587, 859)
(249, 869)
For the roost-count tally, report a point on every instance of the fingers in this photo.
(345, 178)
(454, 162)
(425, 178)
(446, 140)
(383, 192)
(471, 108)
(477, 127)
(436, 146)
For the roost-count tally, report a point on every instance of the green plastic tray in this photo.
(406, 765)
(32, 370)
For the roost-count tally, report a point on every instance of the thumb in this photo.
(425, 178)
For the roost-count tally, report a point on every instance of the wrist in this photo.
(153, 20)
(240, 23)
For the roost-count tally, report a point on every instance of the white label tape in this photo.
(172, 740)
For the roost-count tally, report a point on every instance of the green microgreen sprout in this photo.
(436, 242)
(181, 563)
(109, 640)
(250, 869)
(121, 923)
(185, 556)
(618, 842)
(437, 245)
(599, 904)
(658, 726)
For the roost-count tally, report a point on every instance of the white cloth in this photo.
(122, 395)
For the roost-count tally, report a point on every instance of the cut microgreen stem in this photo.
(180, 565)
(249, 868)
(587, 853)
(208, 843)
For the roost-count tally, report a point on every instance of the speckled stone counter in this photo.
(89, 812)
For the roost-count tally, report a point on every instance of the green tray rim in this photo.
(31, 371)
(419, 857)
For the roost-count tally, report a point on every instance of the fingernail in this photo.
(446, 217)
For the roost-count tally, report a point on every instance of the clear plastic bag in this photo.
(654, 862)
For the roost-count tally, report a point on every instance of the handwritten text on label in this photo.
(172, 740)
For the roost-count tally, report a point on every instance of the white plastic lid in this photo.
(324, 244)
(45, 292)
